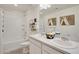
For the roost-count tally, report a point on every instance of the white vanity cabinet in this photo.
(34, 49)
(48, 50)
(37, 47)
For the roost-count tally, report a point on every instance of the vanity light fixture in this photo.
(44, 6)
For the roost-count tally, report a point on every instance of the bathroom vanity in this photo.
(39, 44)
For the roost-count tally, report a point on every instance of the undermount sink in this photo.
(65, 43)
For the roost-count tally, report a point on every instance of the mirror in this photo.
(54, 16)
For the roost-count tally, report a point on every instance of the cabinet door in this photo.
(34, 49)
(50, 50)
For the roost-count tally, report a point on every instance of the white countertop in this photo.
(48, 42)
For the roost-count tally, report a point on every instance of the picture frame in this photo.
(52, 22)
(67, 20)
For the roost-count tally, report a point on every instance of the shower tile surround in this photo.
(16, 29)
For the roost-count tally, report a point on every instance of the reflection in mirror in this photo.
(67, 20)
(51, 18)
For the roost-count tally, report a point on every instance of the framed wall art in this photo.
(52, 22)
(67, 20)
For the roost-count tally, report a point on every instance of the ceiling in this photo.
(20, 7)
(25, 7)
(56, 7)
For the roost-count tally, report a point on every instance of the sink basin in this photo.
(65, 44)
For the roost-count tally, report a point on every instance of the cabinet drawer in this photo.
(50, 50)
(37, 43)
